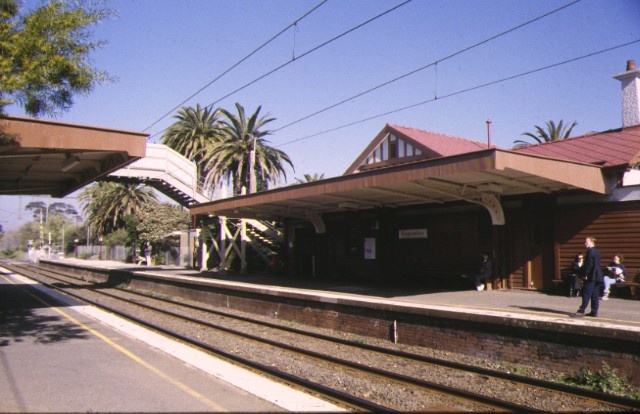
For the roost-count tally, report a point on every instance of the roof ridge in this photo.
(437, 133)
(584, 135)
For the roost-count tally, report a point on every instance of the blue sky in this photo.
(164, 51)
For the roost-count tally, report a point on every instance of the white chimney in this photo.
(630, 95)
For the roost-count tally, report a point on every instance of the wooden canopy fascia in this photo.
(480, 177)
(55, 158)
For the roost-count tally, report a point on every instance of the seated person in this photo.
(616, 272)
(575, 282)
(482, 275)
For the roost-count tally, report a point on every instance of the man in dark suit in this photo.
(592, 274)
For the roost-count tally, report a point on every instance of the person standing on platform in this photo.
(147, 253)
(592, 275)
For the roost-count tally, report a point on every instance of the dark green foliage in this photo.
(243, 139)
(106, 204)
(552, 133)
(45, 54)
(607, 380)
(11, 253)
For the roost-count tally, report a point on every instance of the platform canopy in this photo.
(478, 177)
(40, 157)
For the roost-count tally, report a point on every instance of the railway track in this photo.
(353, 373)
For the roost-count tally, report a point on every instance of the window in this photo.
(393, 149)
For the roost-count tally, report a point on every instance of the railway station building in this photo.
(421, 207)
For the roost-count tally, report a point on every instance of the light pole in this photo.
(252, 168)
(100, 251)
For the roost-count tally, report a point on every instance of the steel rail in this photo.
(557, 387)
(331, 393)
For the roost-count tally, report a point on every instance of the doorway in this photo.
(541, 254)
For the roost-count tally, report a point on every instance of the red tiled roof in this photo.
(610, 148)
(613, 148)
(439, 144)
(432, 145)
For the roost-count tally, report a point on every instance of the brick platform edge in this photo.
(564, 348)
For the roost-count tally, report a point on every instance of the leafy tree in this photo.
(230, 159)
(552, 133)
(106, 204)
(195, 129)
(53, 209)
(115, 238)
(53, 220)
(155, 223)
(132, 232)
(308, 178)
(17, 238)
(45, 54)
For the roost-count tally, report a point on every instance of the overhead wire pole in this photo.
(253, 188)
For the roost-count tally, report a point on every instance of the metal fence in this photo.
(117, 253)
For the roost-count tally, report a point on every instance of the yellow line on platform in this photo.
(128, 353)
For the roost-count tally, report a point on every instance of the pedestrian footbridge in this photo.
(168, 172)
(176, 177)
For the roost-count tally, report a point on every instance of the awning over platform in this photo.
(478, 177)
(54, 158)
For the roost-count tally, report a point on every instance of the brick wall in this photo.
(498, 339)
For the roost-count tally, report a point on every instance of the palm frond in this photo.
(552, 132)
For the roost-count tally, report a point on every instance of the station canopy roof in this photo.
(461, 177)
(42, 157)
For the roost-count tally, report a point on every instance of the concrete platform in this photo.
(76, 358)
(512, 326)
(616, 314)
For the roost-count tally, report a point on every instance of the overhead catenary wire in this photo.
(473, 88)
(294, 24)
(435, 63)
(308, 52)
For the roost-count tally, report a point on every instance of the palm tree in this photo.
(243, 145)
(195, 129)
(308, 178)
(106, 204)
(552, 133)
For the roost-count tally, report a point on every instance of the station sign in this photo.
(412, 234)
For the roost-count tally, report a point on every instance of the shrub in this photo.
(11, 253)
(606, 380)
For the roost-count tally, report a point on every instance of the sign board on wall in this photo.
(370, 248)
(412, 234)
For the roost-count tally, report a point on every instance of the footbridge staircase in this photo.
(176, 177)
